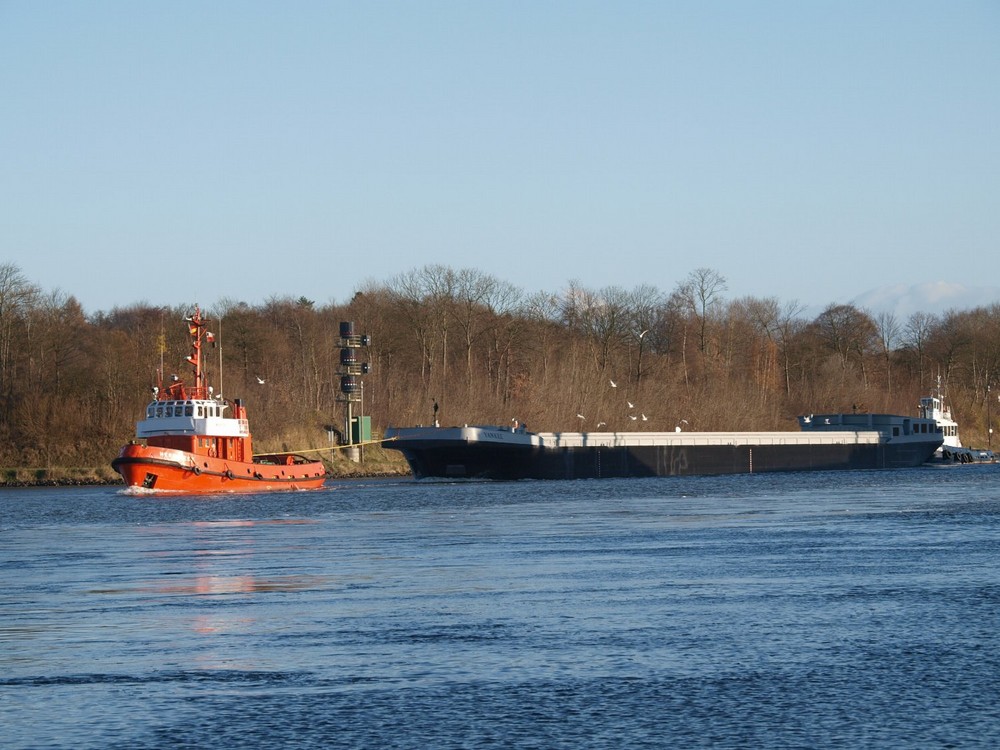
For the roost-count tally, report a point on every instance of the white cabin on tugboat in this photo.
(190, 417)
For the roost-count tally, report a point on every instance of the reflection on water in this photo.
(213, 584)
(843, 610)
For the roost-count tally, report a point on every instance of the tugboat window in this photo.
(189, 411)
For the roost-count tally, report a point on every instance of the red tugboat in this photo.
(185, 444)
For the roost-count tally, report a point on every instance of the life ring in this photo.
(229, 474)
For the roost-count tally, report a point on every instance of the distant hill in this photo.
(933, 297)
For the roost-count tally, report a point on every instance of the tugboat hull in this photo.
(161, 469)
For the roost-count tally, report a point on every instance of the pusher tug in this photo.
(186, 444)
(952, 452)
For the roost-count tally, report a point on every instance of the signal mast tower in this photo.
(352, 389)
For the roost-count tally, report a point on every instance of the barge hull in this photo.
(826, 443)
(480, 462)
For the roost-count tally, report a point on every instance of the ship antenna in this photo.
(161, 344)
(220, 355)
(196, 331)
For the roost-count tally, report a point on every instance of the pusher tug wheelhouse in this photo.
(186, 443)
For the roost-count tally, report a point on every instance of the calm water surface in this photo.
(849, 609)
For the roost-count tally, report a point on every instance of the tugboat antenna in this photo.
(219, 344)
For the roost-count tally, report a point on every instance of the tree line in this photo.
(483, 351)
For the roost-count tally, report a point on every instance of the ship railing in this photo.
(183, 393)
(669, 439)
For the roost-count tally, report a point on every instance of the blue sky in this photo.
(186, 151)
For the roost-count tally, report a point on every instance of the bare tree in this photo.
(758, 318)
(916, 334)
(789, 325)
(17, 297)
(889, 331)
(643, 306)
(850, 333)
(704, 288)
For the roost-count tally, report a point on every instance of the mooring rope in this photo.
(332, 448)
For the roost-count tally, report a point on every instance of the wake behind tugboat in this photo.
(825, 442)
(186, 443)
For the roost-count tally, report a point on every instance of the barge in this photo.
(825, 442)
